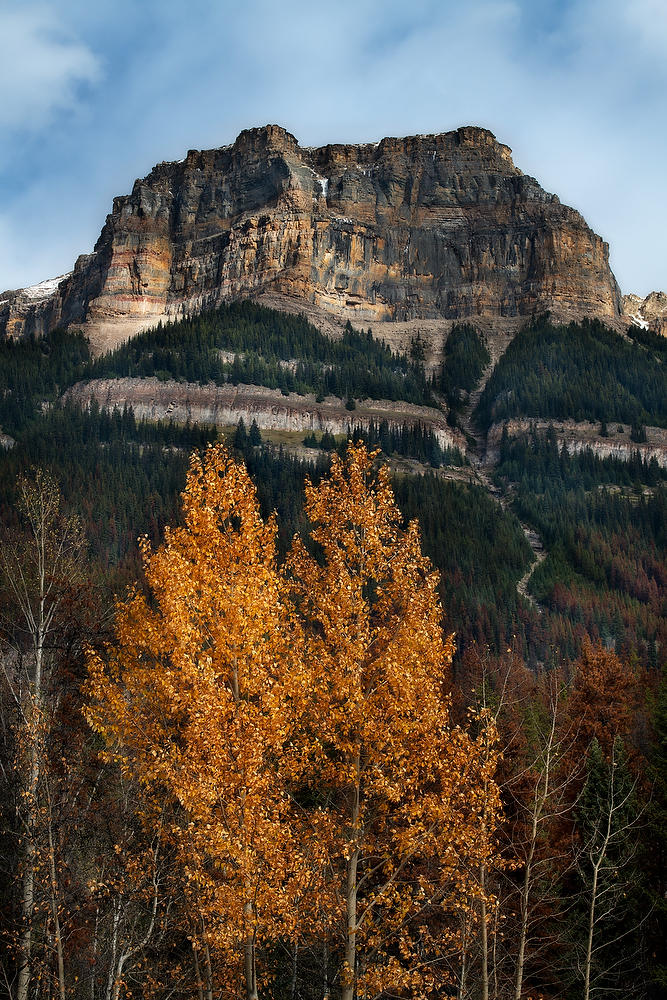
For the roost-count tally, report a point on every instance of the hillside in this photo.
(504, 519)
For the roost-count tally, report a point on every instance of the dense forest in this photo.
(603, 524)
(410, 440)
(578, 372)
(248, 343)
(510, 787)
(465, 357)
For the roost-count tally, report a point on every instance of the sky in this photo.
(93, 94)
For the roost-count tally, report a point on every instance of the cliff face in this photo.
(579, 437)
(428, 227)
(649, 313)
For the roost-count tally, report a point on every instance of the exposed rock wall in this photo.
(439, 226)
(577, 437)
(649, 313)
(223, 406)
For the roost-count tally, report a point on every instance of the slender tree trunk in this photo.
(209, 972)
(351, 896)
(485, 936)
(591, 928)
(464, 957)
(200, 983)
(28, 887)
(295, 963)
(25, 941)
(496, 918)
(325, 985)
(249, 954)
(525, 893)
(55, 913)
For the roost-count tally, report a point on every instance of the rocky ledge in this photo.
(225, 405)
(578, 437)
(426, 227)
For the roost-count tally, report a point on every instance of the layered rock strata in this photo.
(578, 437)
(225, 405)
(426, 227)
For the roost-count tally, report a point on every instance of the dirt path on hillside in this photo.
(482, 477)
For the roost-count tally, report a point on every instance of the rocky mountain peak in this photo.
(434, 227)
(649, 313)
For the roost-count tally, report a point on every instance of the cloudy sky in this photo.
(92, 94)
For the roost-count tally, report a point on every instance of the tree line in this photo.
(583, 371)
(245, 342)
(290, 790)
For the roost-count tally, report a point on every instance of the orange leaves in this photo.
(411, 800)
(299, 720)
(189, 698)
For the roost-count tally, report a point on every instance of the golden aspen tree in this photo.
(190, 701)
(406, 801)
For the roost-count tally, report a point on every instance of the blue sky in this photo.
(92, 94)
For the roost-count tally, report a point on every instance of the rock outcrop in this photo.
(225, 405)
(649, 313)
(426, 227)
(581, 436)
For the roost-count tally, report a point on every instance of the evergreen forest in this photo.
(241, 755)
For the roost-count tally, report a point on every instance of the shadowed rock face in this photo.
(427, 227)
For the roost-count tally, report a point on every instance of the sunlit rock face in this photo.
(426, 227)
(649, 313)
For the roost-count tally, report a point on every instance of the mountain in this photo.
(432, 227)
(649, 313)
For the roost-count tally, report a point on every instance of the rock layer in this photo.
(649, 313)
(225, 405)
(427, 227)
(581, 436)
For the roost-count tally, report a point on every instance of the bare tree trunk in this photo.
(249, 954)
(325, 985)
(25, 941)
(209, 973)
(465, 944)
(591, 928)
(55, 913)
(348, 990)
(295, 962)
(34, 723)
(200, 983)
(484, 935)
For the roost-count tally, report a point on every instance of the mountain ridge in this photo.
(435, 227)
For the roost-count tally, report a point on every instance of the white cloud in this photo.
(577, 89)
(42, 67)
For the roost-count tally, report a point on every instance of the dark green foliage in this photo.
(578, 372)
(269, 348)
(122, 476)
(653, 342)
(254, 437)
(465, 358)
(34, 372)
(603, 524)
(411, 440)
(480, 550)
